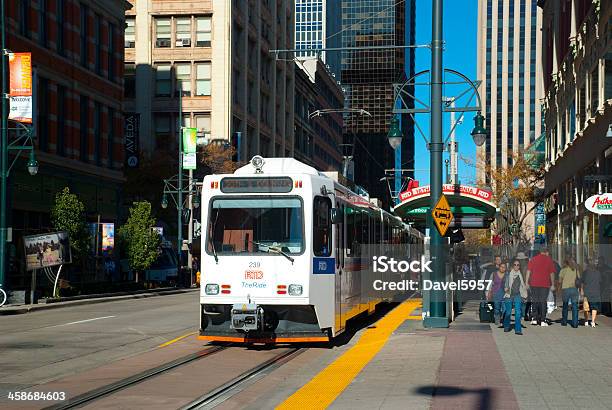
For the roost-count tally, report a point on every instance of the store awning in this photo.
(472, 207)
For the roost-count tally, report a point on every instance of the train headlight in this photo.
(211, 289)
(295, 290)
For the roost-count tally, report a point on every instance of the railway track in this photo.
(236, 385)
(205, 401)
(132, 380)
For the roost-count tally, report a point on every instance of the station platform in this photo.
(397, 364)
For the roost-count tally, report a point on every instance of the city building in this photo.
(77, 59)
(318, 139)
(577, 64)
(368, 77)
(509, 49)
(508, 53)
(218, 51)
(317, 25)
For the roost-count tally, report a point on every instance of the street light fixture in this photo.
(479, 133)
(32, 164)
(164, 201)
(395, 133)
(196, 199)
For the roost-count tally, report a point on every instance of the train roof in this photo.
(279, 166)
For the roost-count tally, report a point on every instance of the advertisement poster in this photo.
(47, 250)
(20, 87)
(190, 139)
(108, 238)
(132, 135)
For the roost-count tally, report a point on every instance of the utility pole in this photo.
(179, 203)
(437, 309)
(4, 151)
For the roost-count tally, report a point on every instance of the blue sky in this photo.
(460, 36)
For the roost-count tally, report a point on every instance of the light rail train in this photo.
(286, 253)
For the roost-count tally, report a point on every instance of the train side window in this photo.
(321, 226)
(339, 228)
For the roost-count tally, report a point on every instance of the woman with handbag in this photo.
(515, 293)
(496, 293)
(570, 283)
(591, 289)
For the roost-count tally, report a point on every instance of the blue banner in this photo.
(323, 266)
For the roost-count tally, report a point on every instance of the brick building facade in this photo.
(77, 58)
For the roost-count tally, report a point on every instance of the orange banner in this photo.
(20, 74)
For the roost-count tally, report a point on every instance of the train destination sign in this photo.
(236, 185)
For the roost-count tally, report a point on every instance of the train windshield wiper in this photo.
(272, 249)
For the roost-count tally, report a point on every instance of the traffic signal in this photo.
(456, 236)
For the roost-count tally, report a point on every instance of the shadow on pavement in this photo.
(485, 395)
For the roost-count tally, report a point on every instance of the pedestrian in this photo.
(526, 306)
(591, 289)
(496, 293)
(569, 277)
(488, 270)
(515, 292)
(540, 279)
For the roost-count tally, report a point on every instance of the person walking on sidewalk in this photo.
(540, 278)
(496, 293)
(515, 292)
(591, 288)
(568, 278)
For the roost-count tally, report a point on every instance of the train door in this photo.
(339, 247)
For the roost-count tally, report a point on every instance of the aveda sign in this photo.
(600, 204)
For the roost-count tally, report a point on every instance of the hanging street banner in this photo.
(20, 87)
(190, 144)
(190, 140)
(132, 134)
(108, 238)
(442, 215)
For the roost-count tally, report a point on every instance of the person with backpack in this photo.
(569, 278)
(540, 278)
(515, 293)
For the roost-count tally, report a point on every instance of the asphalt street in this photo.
(42, 346)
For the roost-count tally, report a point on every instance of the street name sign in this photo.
(442, 215)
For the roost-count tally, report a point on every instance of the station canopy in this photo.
(472, 207)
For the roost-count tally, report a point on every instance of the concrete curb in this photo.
(18, 310)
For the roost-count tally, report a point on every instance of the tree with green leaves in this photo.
(68, 214)
(141, 241)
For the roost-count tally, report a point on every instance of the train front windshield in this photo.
(254, 225)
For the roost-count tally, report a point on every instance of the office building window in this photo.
(59, 16)
(183, 79)
(129, 86)
(202, 123)
(111, 52)
(24, 18)
(162, 32)
(203, 79)
(84, 146)
(183, 32)
(43, 114)
(97, 43)
(203, 31)
(97, 133)
(110, 136)
(42, 27)
(83, 35)
(162, 131)
(130, 32)
(594, 90)
(61, 120)
(163, 81)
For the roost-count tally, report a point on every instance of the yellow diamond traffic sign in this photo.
(442, 215)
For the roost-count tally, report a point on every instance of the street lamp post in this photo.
(23, 142)
(437, 309)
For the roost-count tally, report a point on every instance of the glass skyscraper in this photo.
(368, 77)
(317, 25)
